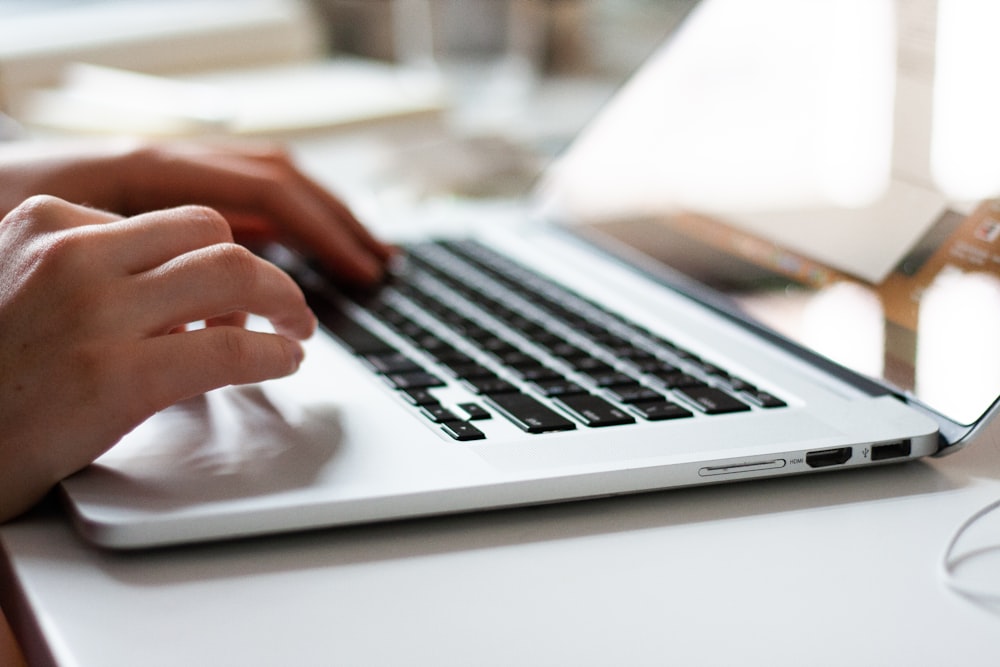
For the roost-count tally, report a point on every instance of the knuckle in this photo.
(245, 356)
(235, 346)
(58, 257)
(40, 210)
(208, 220)
(238, 263)
(241, 356)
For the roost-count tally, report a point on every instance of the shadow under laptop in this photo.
(453, 534)
(238, 466)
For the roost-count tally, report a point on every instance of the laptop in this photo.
(765, 256)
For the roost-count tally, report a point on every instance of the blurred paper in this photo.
(268, 100)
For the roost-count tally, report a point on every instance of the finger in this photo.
(255, 186)
(313, 230)
(381, 250)
(145, 241)
(307, 223)
(281, 159)
(168, 369)
(216, 281)
(250, 229)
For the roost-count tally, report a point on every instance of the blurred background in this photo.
(421, 98)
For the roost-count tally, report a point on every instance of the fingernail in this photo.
(298, 354)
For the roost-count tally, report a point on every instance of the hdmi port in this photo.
(828, 457)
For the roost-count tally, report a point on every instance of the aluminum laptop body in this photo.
(689, 298)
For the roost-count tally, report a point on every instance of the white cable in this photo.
(951, 562)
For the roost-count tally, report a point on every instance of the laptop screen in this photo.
(828, 166)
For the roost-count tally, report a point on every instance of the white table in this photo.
(838, 569)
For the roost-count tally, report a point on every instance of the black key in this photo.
(468, 329)
(502, 313)
(462, 431)
(612, 340)
(392, 362)
(538, 373)
(391, 317)
(472, 371)
(595, 411)
(496, 345)
(524, 325)
(654, 366)
(356, 337)
(430, 342)
(475, 411)
(592, 329)
(661, 410)
(458, 322)
(567, 351)
(547, 339)
(501, 348)
(412, 330)
(739, 384)
(713, 401)
(419, 397)
(635, 393)
(611, 379)
(764, 399)
(560, 387)
(591, 365)
(572, 319)
(712, 369)
(529, 414)
(678, 380)
(416, 380)
(631, 352)
(438, 414)
(493, 385)
(683, 354)
(517, 359)
(449, 355)
(476, 332)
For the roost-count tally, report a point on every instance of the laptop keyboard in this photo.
(527, 349)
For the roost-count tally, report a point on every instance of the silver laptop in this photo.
(760, 259)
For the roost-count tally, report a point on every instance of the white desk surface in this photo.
(837, 569)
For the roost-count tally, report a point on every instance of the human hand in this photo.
(93, 310)
(256, 188)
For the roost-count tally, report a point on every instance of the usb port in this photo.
(828, 457)
(891, 450)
